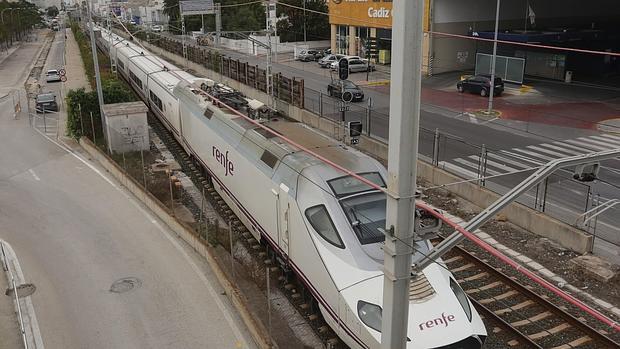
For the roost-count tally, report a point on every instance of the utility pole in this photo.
(93, 47)
(305, 38)
(402, 162)
(492, 92)
(270, 15)
(218, 24)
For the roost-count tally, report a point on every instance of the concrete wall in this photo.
(257, 329)
(520, 215)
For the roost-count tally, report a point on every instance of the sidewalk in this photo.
(76, 74)
(9, 329)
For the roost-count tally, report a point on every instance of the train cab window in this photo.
(322, 223)
(349, 185)
(366, 212)
(269, 159)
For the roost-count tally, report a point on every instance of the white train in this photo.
(323, 225)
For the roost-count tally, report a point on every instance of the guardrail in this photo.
(7, 268)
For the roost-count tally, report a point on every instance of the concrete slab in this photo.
(595, 267)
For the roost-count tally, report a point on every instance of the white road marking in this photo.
(467, 163)
(521, 157)
(614, 142)
(34, 175)
(532, 154)
(566, 150)
(589, 147)
(599, 143)
(495, 164)
(214, 295)
(571, 146)
(608, 135)
(547, 151)
(457, 169)
(508, 161)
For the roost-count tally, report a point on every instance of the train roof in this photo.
(257, 143)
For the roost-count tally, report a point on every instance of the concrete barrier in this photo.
(258, 331)
(518, 214)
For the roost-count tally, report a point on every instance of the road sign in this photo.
(347, 97)
(343, 69)
(63, 78)
(62, 72)
(355, 129)
(344, 107)
(355, 140)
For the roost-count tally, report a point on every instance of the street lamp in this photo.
(492, 84)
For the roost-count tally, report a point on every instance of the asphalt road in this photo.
(77, 233)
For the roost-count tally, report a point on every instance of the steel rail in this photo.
(596, 336)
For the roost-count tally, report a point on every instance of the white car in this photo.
(334, 65)
(52, 76)
(157, 28)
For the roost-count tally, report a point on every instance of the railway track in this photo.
(516, 315)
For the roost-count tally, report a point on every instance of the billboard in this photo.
(196, 7)
(366, 13)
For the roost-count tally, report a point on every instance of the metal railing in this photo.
(7, 268)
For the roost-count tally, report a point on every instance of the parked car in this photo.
(52, 76)
(326, 61)
(46, 102)
(327, 52)
(337, 88)
(356, 64)
(157, 28)
(309, 55)
(480, 84)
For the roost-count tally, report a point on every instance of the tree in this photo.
(245, 17)
(291, 23)
(52, 11)
(17, 18)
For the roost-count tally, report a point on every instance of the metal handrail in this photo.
(19, 309)
(602, 207)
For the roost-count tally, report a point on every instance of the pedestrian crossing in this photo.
(523, 159)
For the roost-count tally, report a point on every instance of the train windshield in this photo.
(366, 213)
(348, 185)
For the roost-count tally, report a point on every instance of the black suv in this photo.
(480, 84)
(46, 102)
(345, 90)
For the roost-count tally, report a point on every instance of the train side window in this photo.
(322, 223)
(269, 159)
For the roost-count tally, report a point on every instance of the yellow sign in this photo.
(366, 13)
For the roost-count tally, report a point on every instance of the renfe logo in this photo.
(222, 158)
(443, 320)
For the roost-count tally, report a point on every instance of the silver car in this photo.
(52, 76)
(326, 61)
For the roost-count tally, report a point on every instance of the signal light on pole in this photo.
(343, 69)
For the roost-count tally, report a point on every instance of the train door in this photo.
(347, 318)
(283, 208)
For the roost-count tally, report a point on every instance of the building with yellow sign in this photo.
(354, 22)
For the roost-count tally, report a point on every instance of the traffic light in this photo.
(355, 129)
(372, 48)
(343, 69)
(587, 172)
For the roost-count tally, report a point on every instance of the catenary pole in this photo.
(493, 59)
(93, 47)
(402, 160)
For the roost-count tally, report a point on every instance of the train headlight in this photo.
(462, 297)
(370, 314)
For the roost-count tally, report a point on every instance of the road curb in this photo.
(257, 330)
(31, 326)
